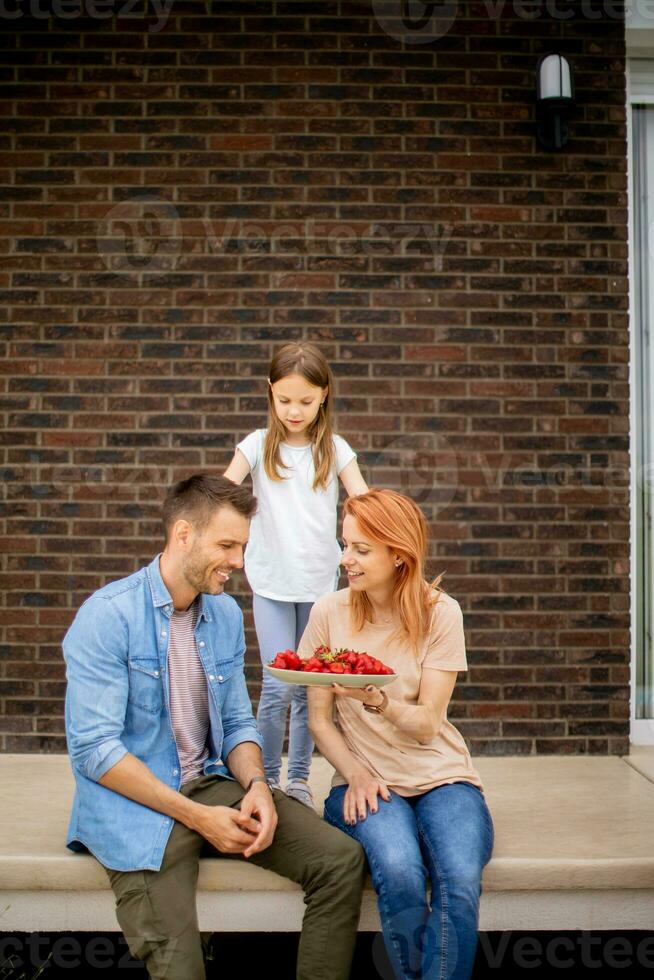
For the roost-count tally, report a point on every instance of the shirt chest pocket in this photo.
(219, 679)
(145, 684)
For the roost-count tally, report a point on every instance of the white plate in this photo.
(326, 680)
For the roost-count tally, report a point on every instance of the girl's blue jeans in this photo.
(443, 837)
(280, 626)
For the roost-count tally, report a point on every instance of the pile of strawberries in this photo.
(326, 661)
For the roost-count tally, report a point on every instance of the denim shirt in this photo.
(118, 701)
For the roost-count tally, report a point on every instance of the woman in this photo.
(404, 785)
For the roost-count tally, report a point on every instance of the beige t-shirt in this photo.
(406, 766)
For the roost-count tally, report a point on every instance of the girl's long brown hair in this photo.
(307, 361)
(390, 518)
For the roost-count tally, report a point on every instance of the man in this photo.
(167, 756)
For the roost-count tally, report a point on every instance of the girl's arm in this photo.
(239, 468)
(363, 787)
(352, 479)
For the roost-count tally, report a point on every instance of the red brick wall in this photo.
(296, 171)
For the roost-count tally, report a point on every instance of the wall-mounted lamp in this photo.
(555, 96)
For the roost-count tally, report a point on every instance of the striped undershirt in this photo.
(189, 706)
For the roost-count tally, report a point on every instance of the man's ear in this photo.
(182, 533)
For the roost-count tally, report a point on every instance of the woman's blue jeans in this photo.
(443, 837)
(280, 626)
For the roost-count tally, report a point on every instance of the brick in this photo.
(469, 291)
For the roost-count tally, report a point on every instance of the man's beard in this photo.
(198, 576)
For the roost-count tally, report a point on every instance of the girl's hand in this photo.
(352, 480)
(362, 792)
(366, 695)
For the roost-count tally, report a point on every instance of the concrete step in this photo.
(573, 843)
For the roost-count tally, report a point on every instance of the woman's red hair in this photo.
(390, 518)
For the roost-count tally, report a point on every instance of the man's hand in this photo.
(258, 806)
(227, 829)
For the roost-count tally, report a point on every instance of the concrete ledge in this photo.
(261, 911)
(572, 850)
(641, 758)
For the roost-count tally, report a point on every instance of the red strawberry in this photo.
(327, 661)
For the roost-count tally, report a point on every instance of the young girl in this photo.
(292, 557)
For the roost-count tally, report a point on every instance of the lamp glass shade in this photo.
(554, 80)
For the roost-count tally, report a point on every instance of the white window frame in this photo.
(640, 91)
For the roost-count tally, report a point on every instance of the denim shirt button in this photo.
(156, 673)
(220, 677)
(163, 632)
(201, 643)
(175, 772)
(211, 677)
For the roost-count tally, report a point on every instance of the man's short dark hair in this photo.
(196, 498)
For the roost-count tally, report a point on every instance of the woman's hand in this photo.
(366, 695)
(361, 793)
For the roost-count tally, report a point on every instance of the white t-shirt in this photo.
(293, 554)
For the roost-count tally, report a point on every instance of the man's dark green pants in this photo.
(157, 909)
